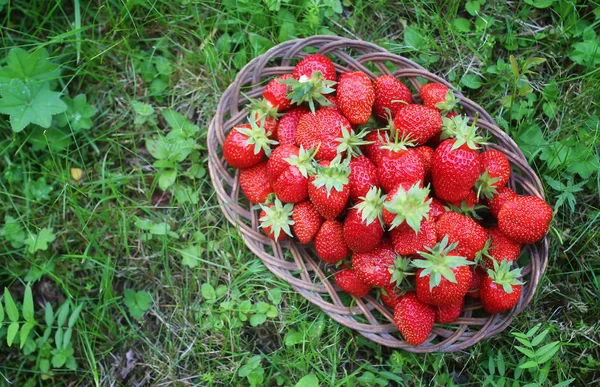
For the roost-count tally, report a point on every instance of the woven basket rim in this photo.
(297, 264)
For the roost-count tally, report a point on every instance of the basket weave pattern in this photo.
(298, 264)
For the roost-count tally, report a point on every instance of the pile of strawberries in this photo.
(397, 194)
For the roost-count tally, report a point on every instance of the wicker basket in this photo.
(298, 264)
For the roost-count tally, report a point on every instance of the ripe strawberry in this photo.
(461, 229)
(391, 295)
(363, 176)
(313, 78)
(436, 208)
(426, 154)
(497, 201)
(288, 169)
(417, 121)
(255, 183)
(328, 188)
(495, 172)
(500, 288)
(442, 277)
(307, 221)
(436, 95)
(525, 219)
(246, 145)
(468, 203)
(286, 126)
(355, 96)
(362, 227)
(349, 282)
(478, 274)
(447, 313)
(329, 242)
(456, 166)
(406, 204)
(407, 241)
(414, 319)
(268, 122)
(389, 92)
(376, 139)
(322, 131)
(399, 165)
(275, 93)
(275, 218)
(381, 266)
(500, 248)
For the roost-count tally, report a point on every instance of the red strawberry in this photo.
(426, 154)
(391, 295)
(414, 319)
(355, 96)
(246, 146)
(525, 219)
(333, 105)
(275, 93)
(500, 248)
(286, 126)
(377, 266)
(500, 288)
(476, 279)
(255, 183)
(447, 313)
(314, 77)
(436, 208)
(389, 92)
(417, 121)
(461, 229)
(497, 201)
(495, 172)
(288, 169)
(329, 242)
(328, 189)
(349, 282)
(469, 202)
(275, 220)
(406, 204)
(268, 122)
(442, 277)
(362, 226)
(377, 139)
(363, 176)
(436, 95)
(399, 166)
(456, 166)
(408, 242)
(307, 221)
(323, 130)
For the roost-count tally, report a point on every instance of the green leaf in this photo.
(190, 256)
(28, 67)
(78, 114)
(143, 109)
(413, 38)
(13, 232)
(500, 364)
(11, 333)
(166, 178)
(1, 314)
(262, 307)
(74, 316)
(28, 305)
(309, 380)
(39, 189)
(30, 104)
(179, 123)
(274, 295)
(528, 364)
(586, 53)
(62, 313)
(54, 138)
(48, 314)
(208, 292)
(540, 3)
(163, 65)
(471, 81)
(25, 329)
(527, 352)
(565, 383)
(546, 352)
(44, 365)
(161, 228)
(472, 7)
(287, 25)
(293, 338)
(11, 308)
(257, 319)
(461, 24)
(40, 241)
(138, 303)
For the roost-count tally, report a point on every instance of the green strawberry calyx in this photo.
(502, 275)
(410, 206)
(333, 176)
(257, 137)
(399, 143)
(448, 104)
(371, 206)
(350, 142)
(465, 209)
(304, 160)
(278, 217)
(439, 263)
(401, 270)
(310, 90)
(486, 185)
(458, 127)
(261, 108)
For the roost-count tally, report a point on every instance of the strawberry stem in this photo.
(310, 90)
(410, 206)
(502, 275)
(257, 136)
(333, 176)
(371, 206)
(278, 217)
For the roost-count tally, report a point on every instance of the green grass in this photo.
(188, 335)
